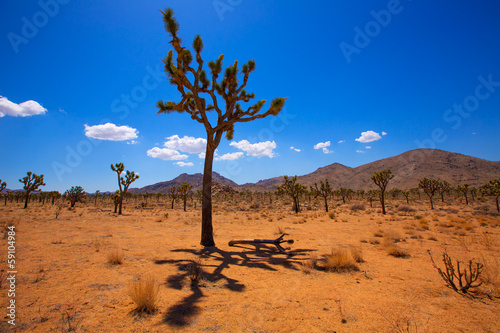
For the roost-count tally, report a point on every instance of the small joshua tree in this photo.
(293, 189)
(74, 195)
(493, 189)
(406, 194)
(381, 179)
(430, 187)
(324, 191)
(3, 185)
(116, 199)
(343, 192)
(185, 191)
(464, 189)
(203, 93)
(174, 194)
(31, 183)
(130, 177)
(445, 188)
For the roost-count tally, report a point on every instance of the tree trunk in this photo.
(326, 204)
(498, 207)
(173, 200)
(382, 202)
(432, 204)
(27, 199)
(120, 205)
(207, 237)
(185, 202)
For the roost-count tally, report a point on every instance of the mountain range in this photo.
(408, 168)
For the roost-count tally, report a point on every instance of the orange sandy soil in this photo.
(63, 269)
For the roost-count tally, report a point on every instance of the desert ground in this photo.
(66, 281)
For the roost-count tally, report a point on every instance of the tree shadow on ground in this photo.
(260, 256)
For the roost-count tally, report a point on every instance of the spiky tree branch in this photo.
(31, 183)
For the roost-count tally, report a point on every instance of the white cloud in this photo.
(111, 132)
(326, 151)
(230, 156)
(369, 136)
(202, 155)
(256, 149)
(25, 109)
(132, 142)
(322, 145)
(341, 141)
(384, 133)
(166, 154)
(368, 147)
(183, 164)
(187, 144)
(296, 149)
(360, 151)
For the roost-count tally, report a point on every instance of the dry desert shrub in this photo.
(406, 209)
(357, 207)
(397, 252)
(340, 260)
(145, 295)
(309, 264)
(115, 257)
(356, 253)
(195, 271)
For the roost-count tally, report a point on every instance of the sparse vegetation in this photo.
(340, 260)
(115, 257)
(144, 294)
(381, 179)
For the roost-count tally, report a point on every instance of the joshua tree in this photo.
(293, 189)
(324, 190)
(445, 188)
(381, 179)
(406, 194)
(370, 195)
(185, 191)
(74, 195)
(130, 177)
(464, 189)
(54, 195)
(201, 95)
(116, 199)
(343, 192)
(96, 195)
(174, 194)
(3, 185)
(31, 183)
(430, 186)
(493, 189)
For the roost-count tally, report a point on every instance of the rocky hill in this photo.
(408, 168)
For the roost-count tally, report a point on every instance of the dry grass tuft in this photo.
(145, 295)
(195, 271)
(356, 253)
(397, 252)
(310, 264)
(115, 257)
(340, 261)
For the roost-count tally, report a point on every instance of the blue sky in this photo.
(407, 74)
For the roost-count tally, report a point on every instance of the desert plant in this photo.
(381, 179)
(397, 251)
(356, 207)
(309, 264)
(185, 191)
(324, 191)
(406, 194)
(406, 209)
(293, 189)
(145, 295)
(3, 185)
(466, 278)
(130, 177)
(340, 260)
(194, 86)
(444, 188)
(492, 189)
(115, 257)
(195, 271)
(356, 253)
(74, 195)
(31, 183)
(430, 186)
(464, 189)
(331, 215)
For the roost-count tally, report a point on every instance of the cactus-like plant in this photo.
(185, 191)
(31, 183)
(123, 183)
(75, 194)
(324, 191)
(293, 189)
(203, 93)
(381, 179)
(430, 187)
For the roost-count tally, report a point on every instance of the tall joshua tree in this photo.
(31, 183)
(381, 179)
(201, 95)
(130, 177)
(293, 189)
(3, 185)
(324, 190)
(464, 189)
(430, 187)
